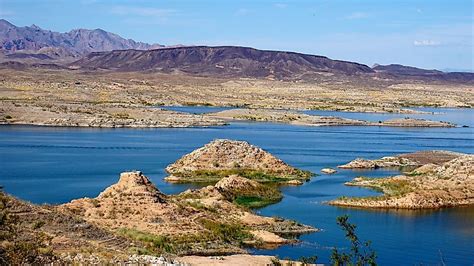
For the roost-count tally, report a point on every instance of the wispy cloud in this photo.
(426, 43)
(142, 11)
(243, 12)
(280, 5)
(357, 15)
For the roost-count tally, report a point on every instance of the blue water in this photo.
(55, 165)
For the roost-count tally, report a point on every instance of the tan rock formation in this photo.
(134, 206)
(328, 171)
(223, 157)
(403, 160)
(430, 186)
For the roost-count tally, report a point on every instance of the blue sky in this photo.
(428, 34)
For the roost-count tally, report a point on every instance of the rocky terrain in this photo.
(404, 160)
(36, 74)
(91, 94)
(298, 118)
(199, 221)
(432, 185)
(133, 222)
(44, 233)
(99, 115)
(223, 157)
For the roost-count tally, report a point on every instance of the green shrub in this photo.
(161, 243)
(226, 232)
(254, 202)
(38, 224)
(257, 175)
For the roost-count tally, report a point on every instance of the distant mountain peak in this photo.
(34, 26)
(5, 23)
(75, 42)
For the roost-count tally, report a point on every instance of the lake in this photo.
(55, 165)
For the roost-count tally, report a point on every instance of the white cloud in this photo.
(357, 15)
(142, 11)
(426, 43)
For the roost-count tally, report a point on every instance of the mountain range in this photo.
(22, 47)
(35, 42)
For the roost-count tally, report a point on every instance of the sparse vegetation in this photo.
(254, 202)
(154, 243)
(257, 175)
(227, 232)
(18, 245)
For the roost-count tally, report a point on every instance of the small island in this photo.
(432, 185)
(413, 159)
(302, 119)
(222, 157)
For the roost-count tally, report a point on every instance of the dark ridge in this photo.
(26, 55)
(401, 71)
(405, 70)
(220, 61)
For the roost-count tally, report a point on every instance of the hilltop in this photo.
(223, 157)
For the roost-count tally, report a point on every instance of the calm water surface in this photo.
(55, 165)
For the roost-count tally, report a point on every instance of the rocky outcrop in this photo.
(429, 186)
(135, 209)
(223, 157)
(361, 163)
(133, 202)
(328, 171)
(411, 122)
(403, 160)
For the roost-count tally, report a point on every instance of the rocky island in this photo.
(403, 160)
(302, 119)
(222, 157)
(435, 184)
